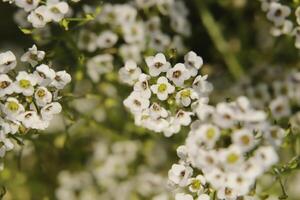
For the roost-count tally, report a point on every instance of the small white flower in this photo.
(130, 73)
(99, 65)
(7, 61)
(49, 110)
(44, 75)
(231, 157)
(27, 5)
(157, 64)
(30, 119)
(33, 56)
(39, 17)
(107, 39)
(203, 197)
(6, 144)
(62, 78)
(275, 135)
(6, 86)
(182, 196)
(42, 96)
(162, 88)
(183, 117)
(207, 135)
(277, 13)
(57, 9)
(87, 40)
(135, 103)
(266, 156)
(156, 111)
(197, 184)
(244, 138)
(178, 74)
(142, 86)
(172, 128)
(180, 174)
(12, 108)
(133, 33)
(280, 107)
(202, 86)
(227, 193)
(25, 83)
(193, 62)
(184, 97)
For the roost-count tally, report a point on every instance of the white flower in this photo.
(203, 197)
(184, 97)
(156, 111)
(277, 13)
(157, 64)
(135, 103)
(87, 40)
(33, 56)
(202, 86)
(162, 88)
(231, 157)
(7, 61)
(275, 135)
(133, 33)
(183, 117)
(99, 65)
(266, 156)
(172, 128)
(39, 17)
(265, 4)
(57, 9)
(178, 74)
(142, 86)
(6, 86)
(244, 138)
(159, 41)
(197, 184)
(286, 28)
(129, 73)
(207, 135)
(12, 108)
(107, 39)
(44, 75)
(239, 182)
(280, 107)
(216, 178)
(49, 110)
(227, 193)
(62, 78)
(182, 196)
(27, 5)
(193, 62)
(30, 119)
(182, 152)
(180, 174)
(42, 96)
(6, 144)
(25, 83)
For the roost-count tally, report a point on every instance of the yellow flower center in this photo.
(162, 87)
(185, 93)
(24, 83)
(232, 158)
(210, 133)
(13, 106)
(41, 93)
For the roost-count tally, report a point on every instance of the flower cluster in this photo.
(278, 14)
(162, 99)
(232, 144)
(110, 167)
(128, 31)
(28, 100)
(39, 14)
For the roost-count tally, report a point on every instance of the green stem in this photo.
(219, 41)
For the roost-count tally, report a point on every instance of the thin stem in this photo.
(219, 41)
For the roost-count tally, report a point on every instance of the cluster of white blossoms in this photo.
(39, 13)
(109, 173)
(162, 99)
(28, 100)
(229, 147)
(279, 15)
(127, 31)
